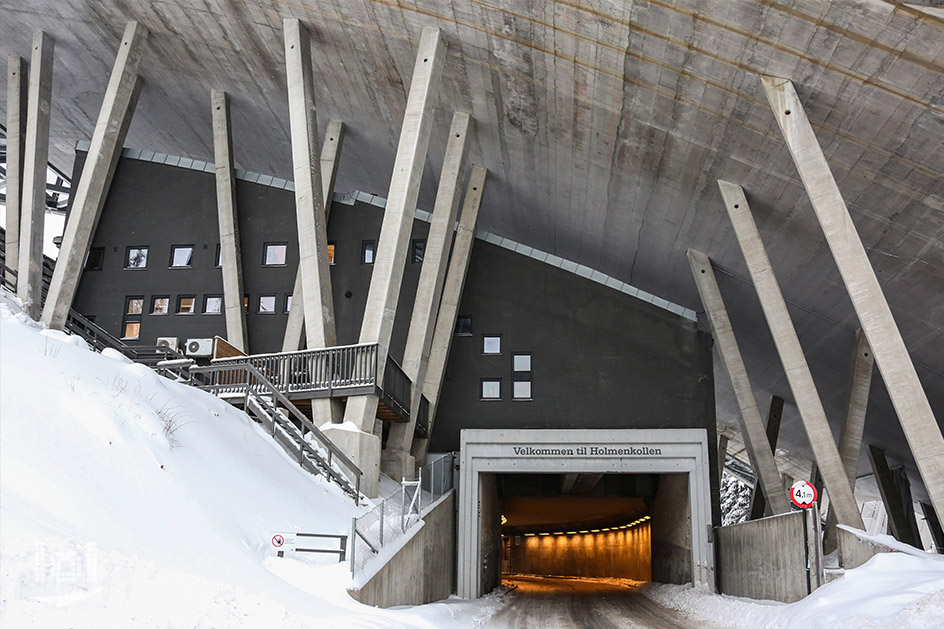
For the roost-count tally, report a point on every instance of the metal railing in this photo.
(396, 389)
(8, 277)
(421, 427)
(350, 369)
(263, 399)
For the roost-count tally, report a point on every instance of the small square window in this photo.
(136, 258)
(212, 304)
(491, 344)
(266, 304)
(330, 253)
(288, 303)
(521, 390)
(94, 259)
(218, 260)
(521, 362)
(275, 254)
(132, 330)
(186, 304)
(181, 256)
(463, 325)
(135, 305)
(417, 250)
(160, 305)
(368, 250)
(491, 389)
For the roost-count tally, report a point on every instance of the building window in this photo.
(330, 253)
(94, 259)
(266, 304)
(491, 344)
(160, 305)
(218, 260)
(136, 258)
(463, 325)
(181, 256)
(186, 304)
(521, 376)
(288, 303)
(131, 328)
(275, 254)
(368, 250)
(491, 388)
(417, 250)
(213, 304)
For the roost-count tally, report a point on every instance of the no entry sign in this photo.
(803, 494)
(283, 541)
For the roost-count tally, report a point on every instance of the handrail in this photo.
(422, 418)
(271, 389)
(295, 353)
(396, 388)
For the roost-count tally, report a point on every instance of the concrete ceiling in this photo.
(604, 129)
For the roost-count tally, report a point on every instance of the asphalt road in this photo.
(540, 602)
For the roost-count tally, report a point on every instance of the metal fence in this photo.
(389, 520)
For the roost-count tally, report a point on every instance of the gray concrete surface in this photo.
(855, 551)
(17, 90)
(583, 604)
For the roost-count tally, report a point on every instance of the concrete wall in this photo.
(855, 551)
(768, 558)
(672, 531)
(490, 508)
(612, 554)
(423, 570)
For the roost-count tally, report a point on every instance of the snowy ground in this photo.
(127, 500)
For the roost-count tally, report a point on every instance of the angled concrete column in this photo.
(387, 274)
(791, 354)
(397, 461)
(752, 429)
(330, 154)
(903, 485)
(121, 96)
(759, 505)
(897, 518)
(449, 304)
(17, 89)
(850, 435)
(907, 395)
(934, 524)
(29, 266)
(230, 259)
(722, 454)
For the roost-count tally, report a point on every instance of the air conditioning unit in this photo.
(199, 347)
(170, 342)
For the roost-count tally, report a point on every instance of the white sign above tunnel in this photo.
(630, 451)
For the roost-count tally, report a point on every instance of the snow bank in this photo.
(130, 500)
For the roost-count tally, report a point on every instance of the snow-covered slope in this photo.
(130, 500)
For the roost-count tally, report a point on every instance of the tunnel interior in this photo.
(633, 526)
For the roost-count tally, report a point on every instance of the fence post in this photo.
(383, 504)
(353, 542)
(343, 548)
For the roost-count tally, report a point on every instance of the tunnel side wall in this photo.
(613, 554)
(672, 531)
(491, 533)
(423, 570)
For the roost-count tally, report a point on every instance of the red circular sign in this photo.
(803, 494)
(277, 541)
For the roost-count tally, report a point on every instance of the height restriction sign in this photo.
(803, 494)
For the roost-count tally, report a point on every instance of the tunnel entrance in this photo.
(632, 504)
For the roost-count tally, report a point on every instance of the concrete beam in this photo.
(429, 291)
(934, 525)
(17, 89)
(29, 264)
(330, 154)
(791, 354)
(907, 395)
(387, 275)
(897, 519)
(121, 97)
(752, 429)
(230, 257)
(900, 476)
(760, 506)
(449, 305)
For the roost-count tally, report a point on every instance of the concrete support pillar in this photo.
(894, 507)
(317, 301)
(907, 395)
(121, 96)
(752, 429)
(934, 525)
(850, 436)
(397, 461)
(230, 258)
(387, 275)
(17, 89)
(330, 154)
(759, 506)
(449, 304)
(29, 264)
(797, 371)
(722, 453)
